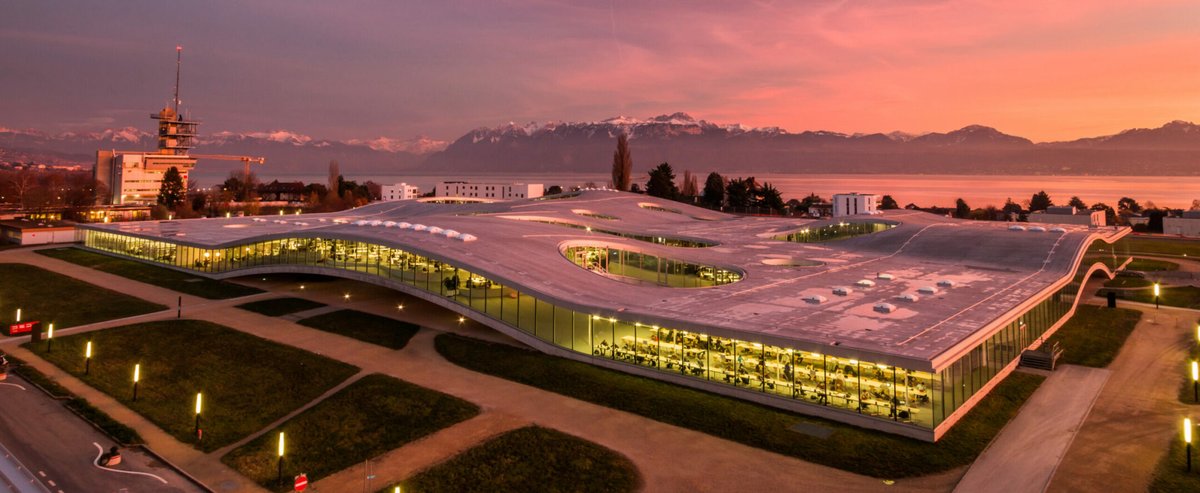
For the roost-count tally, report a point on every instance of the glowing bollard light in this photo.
(18, 315)
(1157, 291)
(279, 476)
(199, 406)
(49, 338)
(87, 358)
(137, 376)
(1187, 438)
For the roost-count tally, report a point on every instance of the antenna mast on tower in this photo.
(178, 64)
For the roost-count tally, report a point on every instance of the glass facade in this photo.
(836, 231)
(648, 268)
(913, 397)
(661, 240)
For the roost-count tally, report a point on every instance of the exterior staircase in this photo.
(1043, 358)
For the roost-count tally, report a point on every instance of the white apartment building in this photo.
(853, 204)
(497, 191)
(399, 191)
(1069, 215)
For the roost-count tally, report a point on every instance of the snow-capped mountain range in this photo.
(678, 138)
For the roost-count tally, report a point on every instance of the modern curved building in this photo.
(899, 321)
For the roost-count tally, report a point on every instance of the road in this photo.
(58, 449)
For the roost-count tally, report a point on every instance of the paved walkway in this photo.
(669, 458)
(1029, 448)
(1138, 411)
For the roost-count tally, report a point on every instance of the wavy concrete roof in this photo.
(995, 270)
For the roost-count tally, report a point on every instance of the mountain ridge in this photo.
(679, 138)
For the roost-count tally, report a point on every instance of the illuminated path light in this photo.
(87, 358)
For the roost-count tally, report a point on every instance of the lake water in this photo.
(923, 190)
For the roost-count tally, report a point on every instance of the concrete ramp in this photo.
(1024, 456)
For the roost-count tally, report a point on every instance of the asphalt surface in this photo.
(42, 440)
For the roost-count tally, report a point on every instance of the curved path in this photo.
(670, 458)
(1138, 411)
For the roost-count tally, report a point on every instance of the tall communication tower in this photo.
(175, 135)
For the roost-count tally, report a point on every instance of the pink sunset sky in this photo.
(1040, 69)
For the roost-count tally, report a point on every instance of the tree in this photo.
(1195, 205)
(635, 188)
(1077, 203)
(812, 199)
(171, 193)
(1011, 208)
(770, 198)
(739, 193)
(662, 182)
(961, 209)
(554, 190)
(335, 173)
(714, 191)
(689, 190)
(622, 168)
(1040, 201)
(888, 203)
(1127, 204)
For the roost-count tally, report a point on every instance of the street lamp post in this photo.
(137, 375)
(279, 475)
(199, 401)
(1187, 438)
(1157, 291)
(87, 359)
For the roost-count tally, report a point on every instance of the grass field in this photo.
(247, 382)
(1186, 390)
(530, 459)
(1094, 335)
(1128, 282)
(1151, 265)
(1171, 474)
(277, 307)
(369, 417)
(150, 274)
(1163, 245)
(54, 298)
(1180, 296)
(365, 327)
(849, 448)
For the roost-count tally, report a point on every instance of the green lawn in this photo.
(1151, 265)
(1181, 296)
(247, 381)
(366, 419)
(151, 274)
(277, 307)
(1171, 474)
(1128, 282)
(529, 459)
(1163, 245)
(366, 327)
(64, 301)
(1094, 335)
(1186, 390)
(849, 448)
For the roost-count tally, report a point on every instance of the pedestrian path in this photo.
(1138, 413)
(1023, 457)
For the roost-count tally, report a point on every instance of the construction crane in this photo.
(247, 160)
